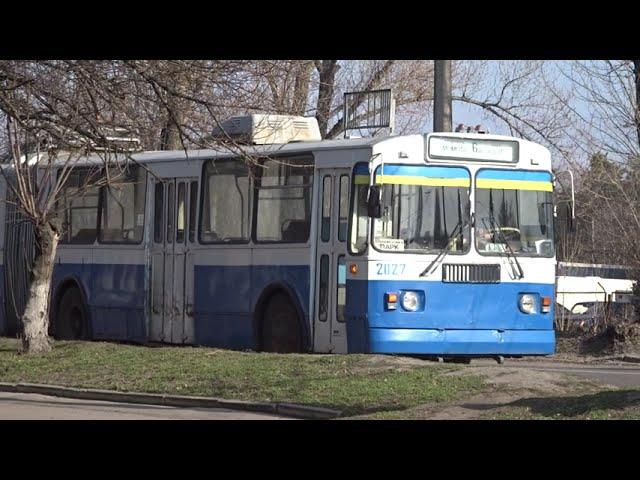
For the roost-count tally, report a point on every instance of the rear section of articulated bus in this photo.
(17, 249)
(3, 204)
(460, 262)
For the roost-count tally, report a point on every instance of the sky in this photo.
(472, 115)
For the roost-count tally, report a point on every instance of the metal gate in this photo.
(19, 251)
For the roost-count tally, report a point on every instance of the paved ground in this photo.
(620, 376)
(23, 406)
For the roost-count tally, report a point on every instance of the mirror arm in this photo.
(374, 162)
(573, 192)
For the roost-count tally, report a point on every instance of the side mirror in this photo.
(373, 202)
(542, 217)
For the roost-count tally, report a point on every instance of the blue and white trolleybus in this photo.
(438, 244)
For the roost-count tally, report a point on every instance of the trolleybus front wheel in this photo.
(280, 326)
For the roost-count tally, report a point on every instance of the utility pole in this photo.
(442, 96)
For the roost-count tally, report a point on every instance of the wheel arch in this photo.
(261, 304)
(61, 288)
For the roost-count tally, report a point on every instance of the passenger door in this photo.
(175, 204)
(333, 211)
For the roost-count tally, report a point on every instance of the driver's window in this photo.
(497, 220)
(284, 200)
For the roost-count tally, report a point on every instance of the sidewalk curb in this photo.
(284, 409)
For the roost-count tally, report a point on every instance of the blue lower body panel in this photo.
(461, 342)
(3, 316)
(455, 319)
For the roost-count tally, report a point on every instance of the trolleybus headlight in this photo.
(411, 301)
(527, 303)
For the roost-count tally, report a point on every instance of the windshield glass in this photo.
(514, 210)
(424, 209)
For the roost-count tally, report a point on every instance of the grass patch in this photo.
(355, 384)
(603, 405)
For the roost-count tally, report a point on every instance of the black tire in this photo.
(71, 318)
(280, 326)
(463, 360)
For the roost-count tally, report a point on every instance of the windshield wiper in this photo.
(443, 252)
(445, 249)
(510, 253)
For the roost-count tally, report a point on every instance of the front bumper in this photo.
(457, 342)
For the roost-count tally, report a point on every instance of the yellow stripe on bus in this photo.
(414, 180)
(514, 185)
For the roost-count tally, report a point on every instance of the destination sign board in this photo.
(481, 150)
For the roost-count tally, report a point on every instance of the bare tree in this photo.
(317, 87)
(37, 181)
(522, 98)
(57, 112)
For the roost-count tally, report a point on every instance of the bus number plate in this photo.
(390, 268)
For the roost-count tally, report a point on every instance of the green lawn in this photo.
(355, 384)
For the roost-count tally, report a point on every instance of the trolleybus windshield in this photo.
(422, 208)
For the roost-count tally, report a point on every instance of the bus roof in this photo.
(259, 150)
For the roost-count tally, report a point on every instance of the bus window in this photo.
(326, 209)
(359, 218)
(80, 215)
(323, 303)
(343, 214)
(123, 209)
(180, 223)
(226, 204)
(284, 200)
(170, 213)
(341, 288)
(193, 198)
(158, 211)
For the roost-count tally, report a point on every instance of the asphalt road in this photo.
(27, 406)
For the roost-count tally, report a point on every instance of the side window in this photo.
(343, 214)
(226, 204)
(341, 288)
(284, 200)
(359, 227)
(323, 304)
(325, 229)
(79, 209)
(193, 199)
(158, 211)
(122, 215)
(181, 220)
(171, 212)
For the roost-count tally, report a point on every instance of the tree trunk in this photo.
(170, 138)
(636, 83)
(326, 72)
(35, 320)
(301, 88)
(170, 134)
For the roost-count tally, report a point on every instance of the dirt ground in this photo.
(506, 385)
(617, 343)
(511, 385)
